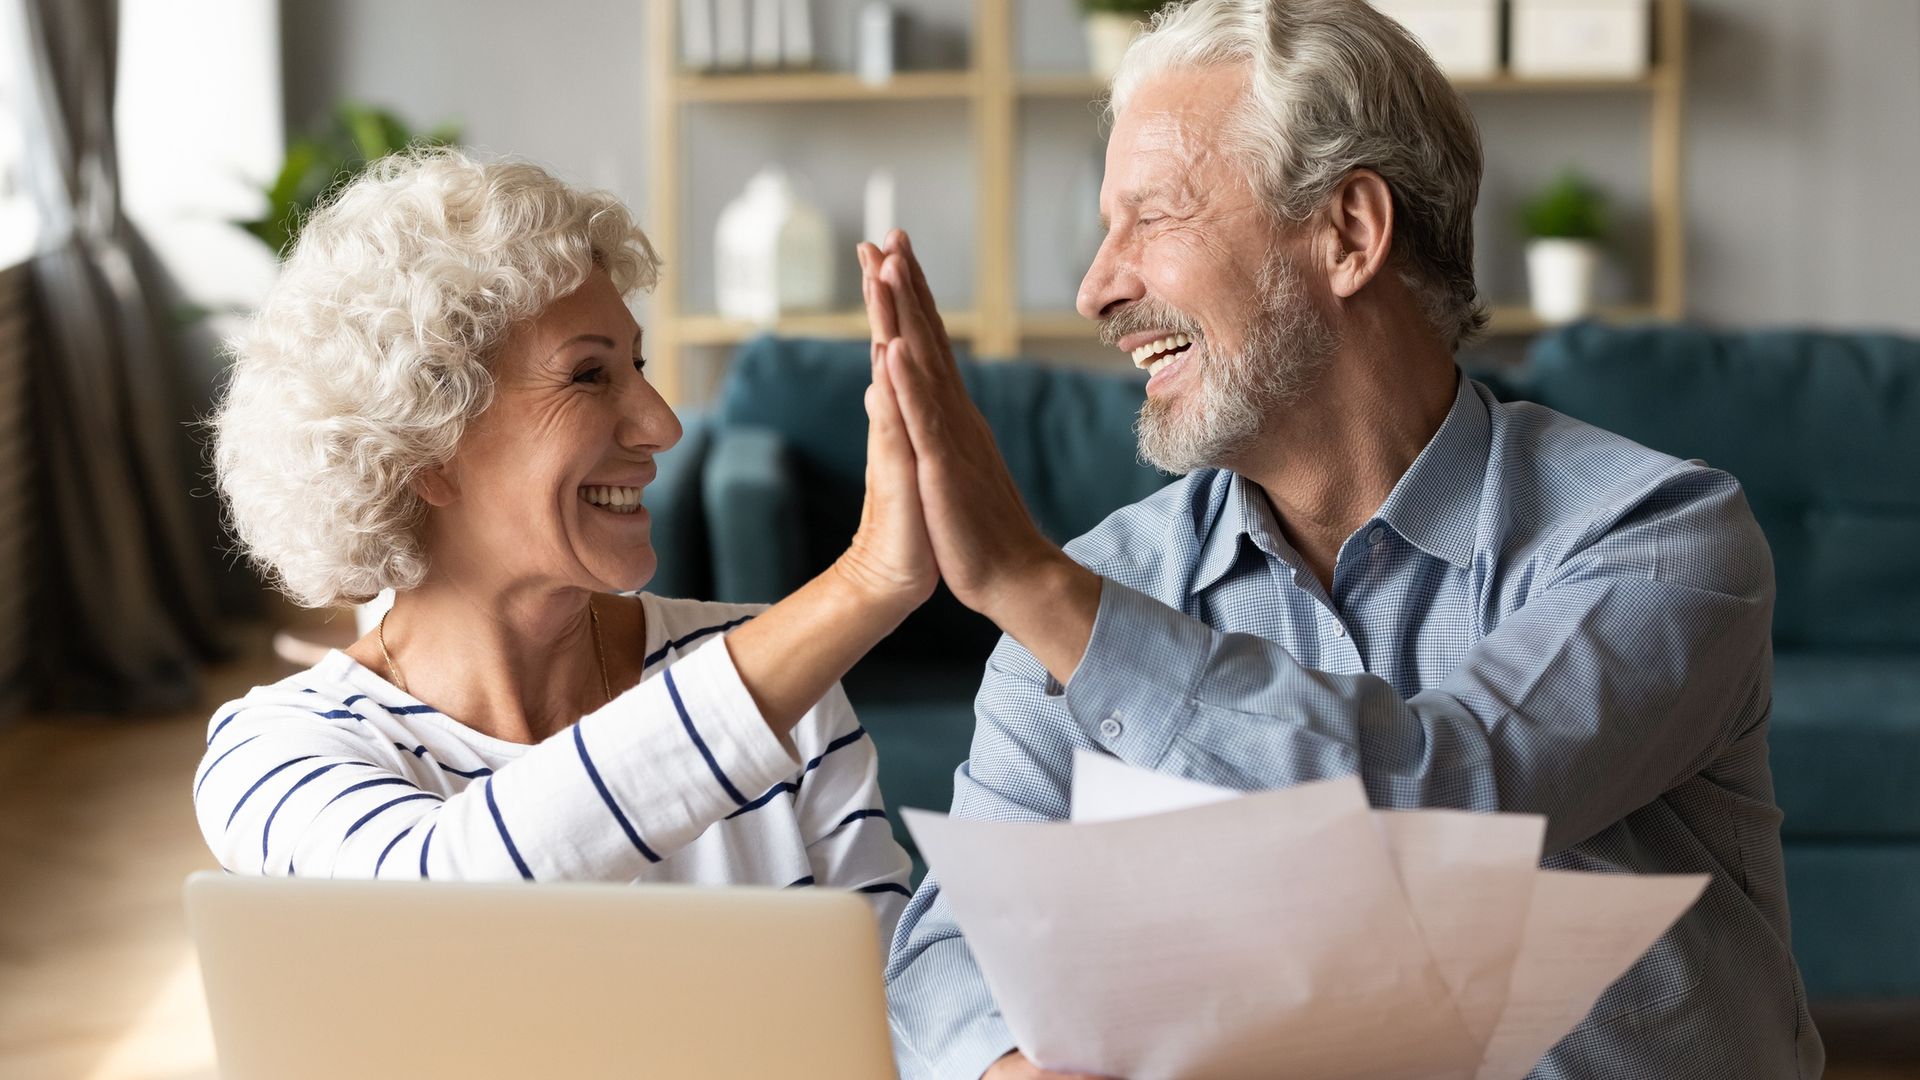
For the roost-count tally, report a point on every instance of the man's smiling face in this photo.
(1196, 281)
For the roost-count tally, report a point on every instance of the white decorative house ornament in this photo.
(773, 253)
(1462, 36)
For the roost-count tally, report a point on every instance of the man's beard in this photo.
(1287, 346)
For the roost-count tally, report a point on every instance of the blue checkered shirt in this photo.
(1543, 617)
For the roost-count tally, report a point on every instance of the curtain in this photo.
(125, 613)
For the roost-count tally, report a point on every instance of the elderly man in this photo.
(1371, 566)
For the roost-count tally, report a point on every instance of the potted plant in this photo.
(354, 137)
(1563, 225)
(1111, 27)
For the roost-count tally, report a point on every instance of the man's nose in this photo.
(1110, 281)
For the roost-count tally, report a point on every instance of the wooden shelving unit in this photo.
(996, 326)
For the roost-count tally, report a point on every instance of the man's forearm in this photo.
(1050, 610)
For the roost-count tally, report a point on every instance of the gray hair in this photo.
(1338, 86)
(375, 348)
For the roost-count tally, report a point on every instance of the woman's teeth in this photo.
(620, 500)
(1155, 355)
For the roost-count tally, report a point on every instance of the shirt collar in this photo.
(1437, 501)
(1434, 504)
(1229, 523)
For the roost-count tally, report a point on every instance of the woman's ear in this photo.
(435, 485)
(1361, 216)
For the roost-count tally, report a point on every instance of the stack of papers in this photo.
(1175, 929)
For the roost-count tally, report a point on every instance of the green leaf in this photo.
(353, 137)
(1570, 209)
(1122, 7)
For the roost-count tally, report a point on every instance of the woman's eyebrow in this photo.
(598, 339)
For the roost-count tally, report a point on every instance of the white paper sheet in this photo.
(1178, 929)
(1583, 932)
(1468, 877)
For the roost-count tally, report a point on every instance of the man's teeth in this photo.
(1154, 355)
(620, 500)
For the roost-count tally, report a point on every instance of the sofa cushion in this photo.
(1853, 919)
(1845, 744)
(920, 717)
(1822, 430)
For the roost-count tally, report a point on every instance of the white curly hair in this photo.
(374, 350)
(1336, 85)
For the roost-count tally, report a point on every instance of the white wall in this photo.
(1803, 140)
(1803, 162)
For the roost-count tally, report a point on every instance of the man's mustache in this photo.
(1147, 315)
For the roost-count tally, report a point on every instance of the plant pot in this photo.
(1560, 277)
(1108, 35)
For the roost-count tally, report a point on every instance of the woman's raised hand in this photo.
(890, 555)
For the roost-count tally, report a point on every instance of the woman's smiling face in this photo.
(544, 488)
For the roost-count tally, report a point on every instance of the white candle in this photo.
(879, 205)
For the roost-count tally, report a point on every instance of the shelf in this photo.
(1654, 79)
(1516, 319)
(1063, 84)
(1057, 326)
(1506, 320)
(715, 330)
(791, 86)
(1092, 87)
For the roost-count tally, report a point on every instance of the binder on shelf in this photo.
(763, 35)
(796, 33)
(696, 35)
(730, 34)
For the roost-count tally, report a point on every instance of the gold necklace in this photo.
(399, 680)
(393, 669)
(599, 650)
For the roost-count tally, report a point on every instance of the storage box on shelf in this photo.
(1462, 36)
(1581, 38)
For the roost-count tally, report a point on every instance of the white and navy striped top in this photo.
(335, 772)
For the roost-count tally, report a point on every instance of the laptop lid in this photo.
(311, 978)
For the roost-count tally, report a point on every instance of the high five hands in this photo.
(985, 544)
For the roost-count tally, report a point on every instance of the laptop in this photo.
(314, 978)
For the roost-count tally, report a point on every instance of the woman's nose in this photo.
(647, 422)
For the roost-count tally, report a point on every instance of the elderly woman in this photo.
(446, 395)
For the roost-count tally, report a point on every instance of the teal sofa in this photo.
(1823, 430)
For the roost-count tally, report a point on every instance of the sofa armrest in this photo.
(679, 520)
(752, 501)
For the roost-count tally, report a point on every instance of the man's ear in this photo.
(435, 485)
(1360, 218)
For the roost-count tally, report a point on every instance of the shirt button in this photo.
(1110, 728)
(1376, 535)
(1339, 630)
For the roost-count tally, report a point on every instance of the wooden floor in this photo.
(97, 979)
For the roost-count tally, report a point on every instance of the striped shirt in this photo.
(1542, 618)
(335, 772)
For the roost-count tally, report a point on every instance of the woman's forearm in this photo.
(791, 654)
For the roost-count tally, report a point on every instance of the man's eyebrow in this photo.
(1131, 200)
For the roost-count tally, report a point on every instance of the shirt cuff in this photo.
(967, 1056)
(1133, 690)
(721, 718)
